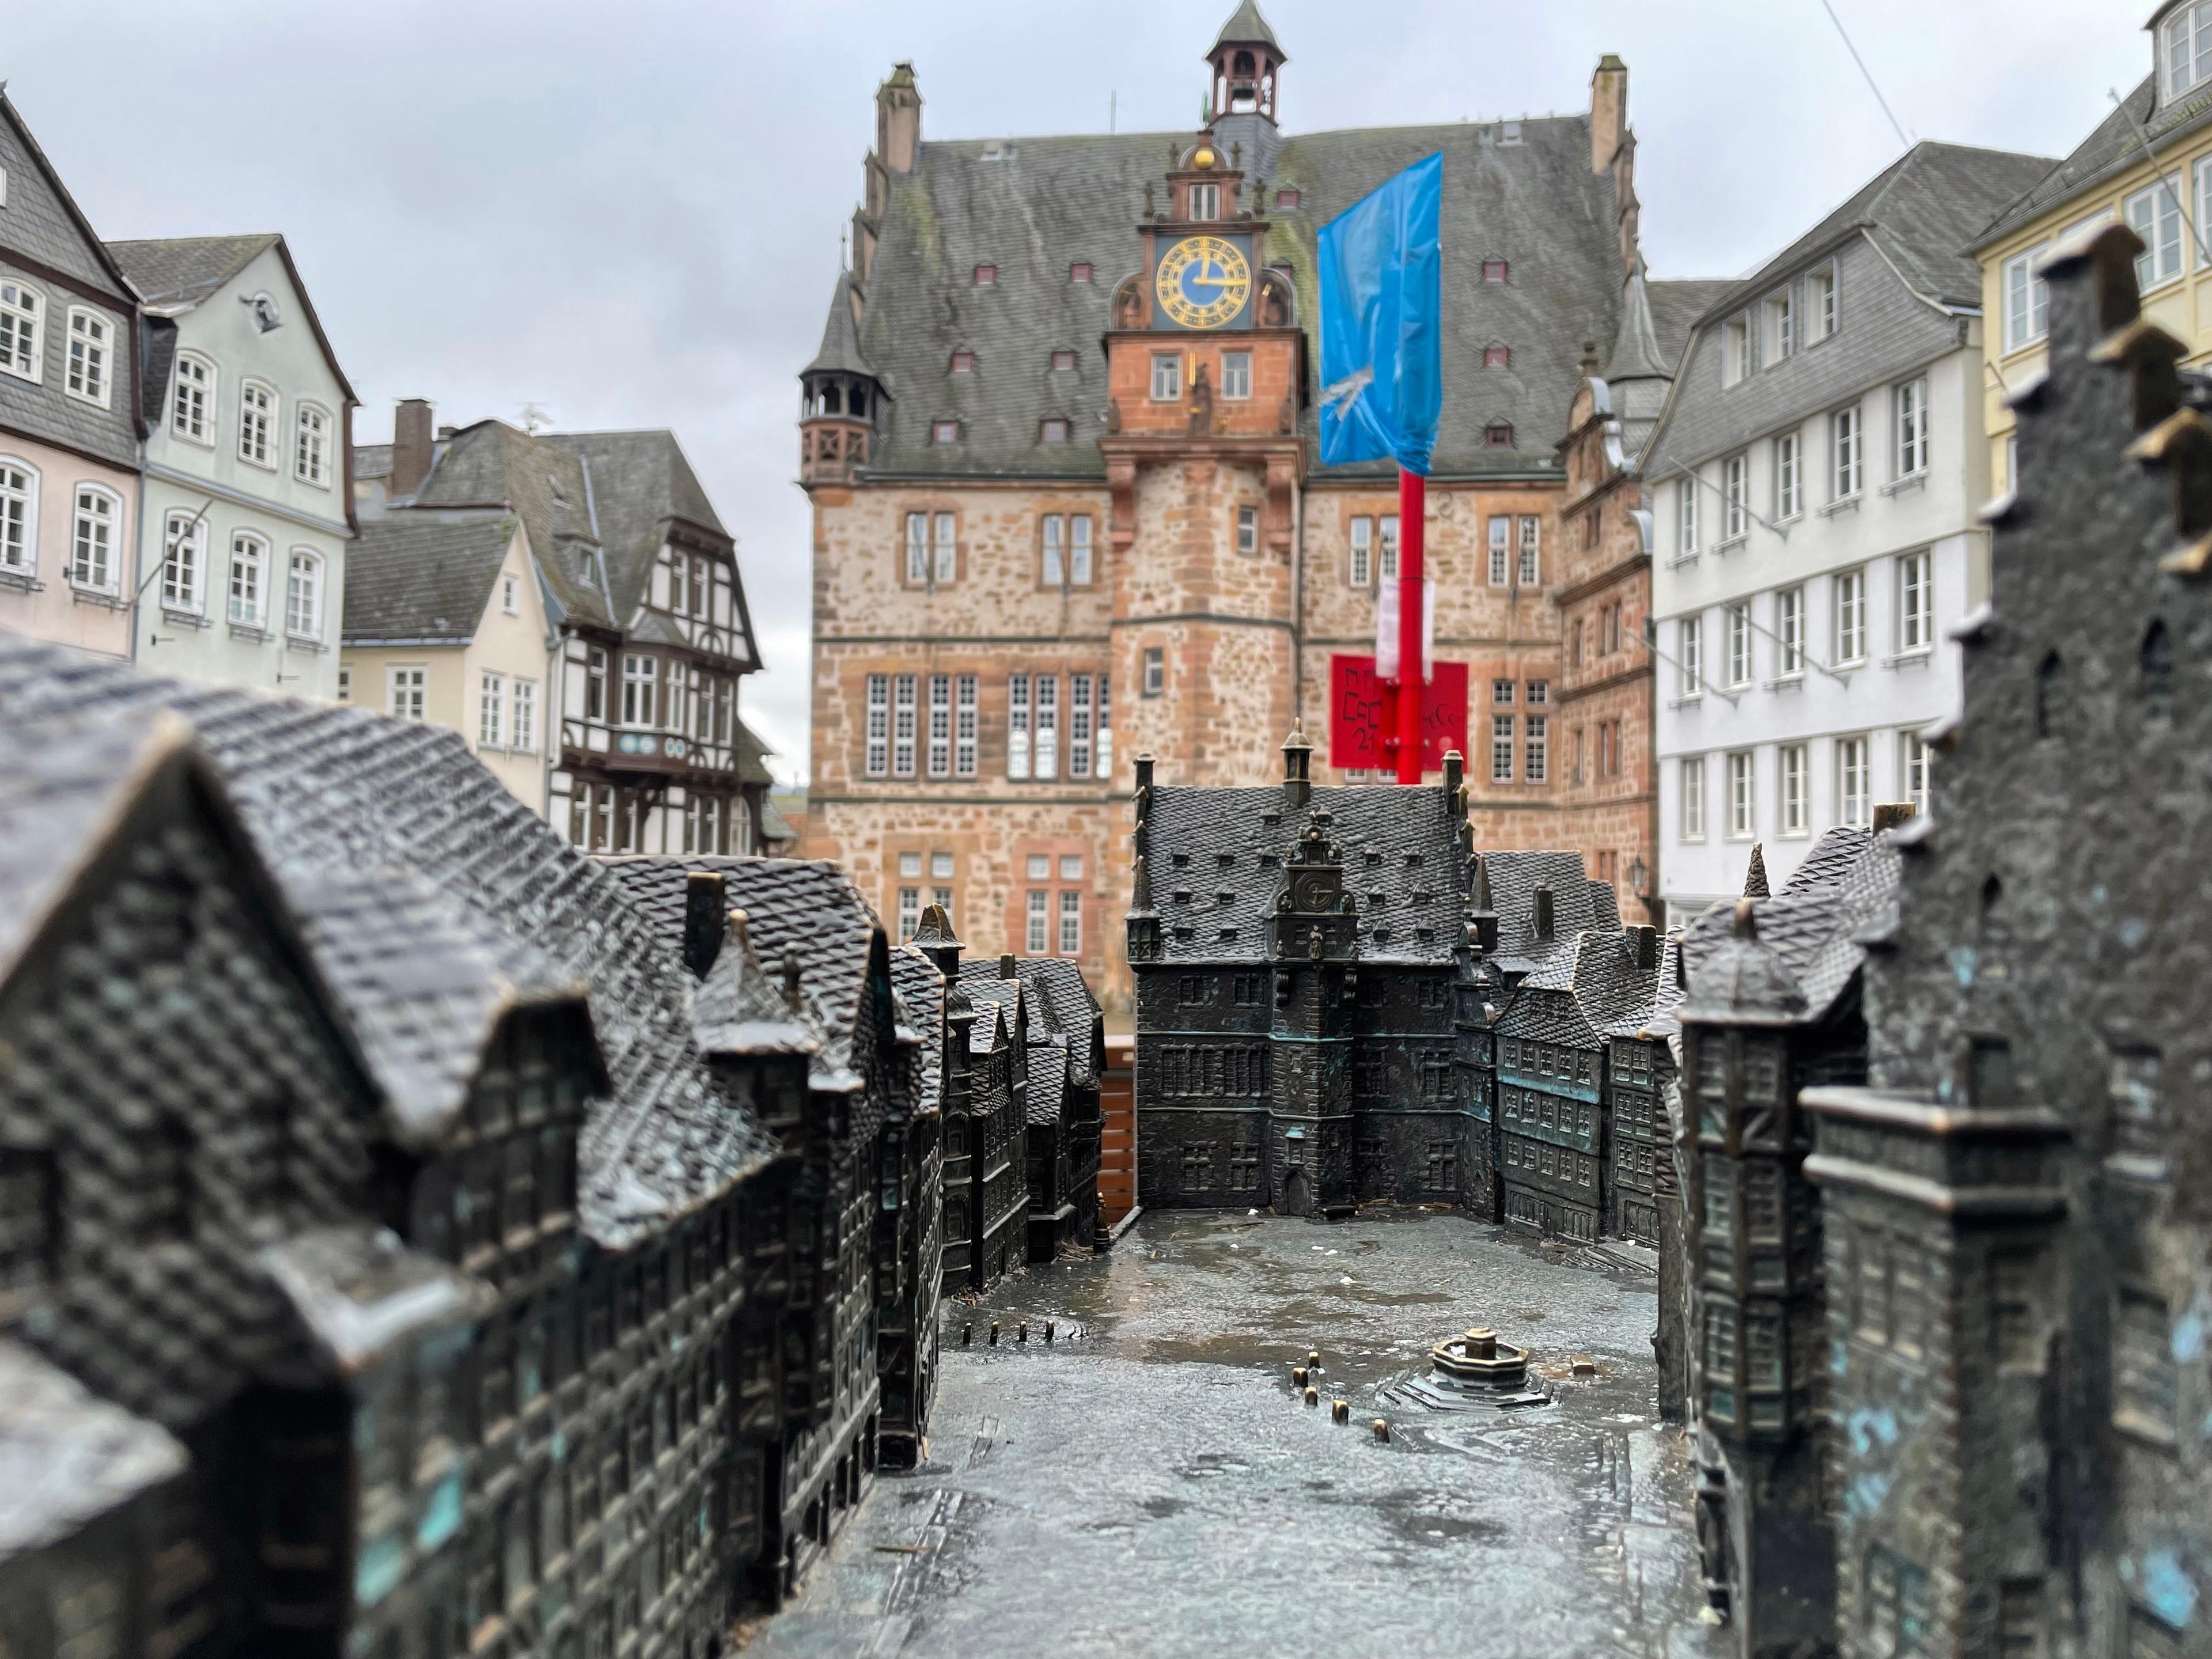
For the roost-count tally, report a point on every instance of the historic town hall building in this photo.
(1060, 443)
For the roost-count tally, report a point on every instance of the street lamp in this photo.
(1638, 875)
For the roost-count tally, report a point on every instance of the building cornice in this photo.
(241, 498)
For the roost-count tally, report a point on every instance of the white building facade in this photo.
(1815, 481)
(242, 546)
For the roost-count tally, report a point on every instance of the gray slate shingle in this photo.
(422, 579)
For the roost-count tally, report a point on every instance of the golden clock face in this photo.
(1203, 281)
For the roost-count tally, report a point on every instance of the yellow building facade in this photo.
(2147, 165)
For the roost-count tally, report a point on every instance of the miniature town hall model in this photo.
(1945, 1165)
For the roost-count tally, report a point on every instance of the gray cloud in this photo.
(629, 214)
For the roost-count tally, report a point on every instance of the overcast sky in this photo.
(629, 214)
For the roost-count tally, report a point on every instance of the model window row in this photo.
(1787, 629)
(193, 406)
(249, 580)
(1804, 312)
(609, 817)
(660, 694)
(2168, 215)
(1728, 490)
(1801, 800)
(929, 725)
(90, 340)
(93, 554)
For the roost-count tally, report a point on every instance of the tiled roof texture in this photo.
(184, 270)
(329, 796)
(739, 1007)
(805, 906)
(492, 465)
(43, 221)
(996, 1002)
(68, 1457)
(1047, 1063)
(1034, 207)
(1921, 211)
(1408, 912)
(751, 756)
(1514, 878)
(1061, 997)
(922, 987)
(372, 461)
(840, 353)
(1811, 925)
(1653, 1015)
(639, 482)
(2111, 146)
(359, 1295)
(421, 578)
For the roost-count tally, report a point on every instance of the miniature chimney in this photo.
(791, 977)
(2181, 445)
(1647, 946)
(933, 938)
(411, 446)
(1455, 772)
(1297, 765)
(1144, 772)
(1484, 913)
(1543, 912)
(2149, 355)
(705, 910)
(1754, 877)
(1007, 969)
(1891, 814)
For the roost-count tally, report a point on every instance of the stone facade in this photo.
(962, 421)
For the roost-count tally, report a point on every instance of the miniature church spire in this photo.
(1755, 878)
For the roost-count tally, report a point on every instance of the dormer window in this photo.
(1287, 199)
(1063, 359)
(1494, 271)
(1054, 430)
(944, 432)
(963, 363)
(1497, 356)
(987, 276)
(1079, 272)
(1206, 201)
(2186, 49)
(1498, 434)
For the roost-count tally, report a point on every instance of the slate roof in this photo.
(996, 1001)
(1062, 1004)
(1246, 28)
(739, 1007)
(1812, 926)
(751, 756)
(44, 220)
(420, 579)
(801, 905)
(1651, 1015)
(922, 989)
(640, 481)
(360, 1295)
(1514, 878)
(67, 1456)
(493, 465)
(182, 270)
(840, 353)
(1037, 205)
(372, 461)
(1921, 211)
(2110, 148)
(1048, 1073)
(432, 901)
(1213, 905)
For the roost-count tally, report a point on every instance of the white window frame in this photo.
(1536, 748)
(1501, 550)
(95, 538)
(259, 407)
(1078, 549)
(1779, 325)
(917, 549)
(906, 723)
(1053, 550)
(303, 594)
(1847, 593)
(1686, 516)
(1916, 603)
(1502, 733)
(1071, 921)
(1045, 730)
(245, 587)
(909, 912)
(183, 562)
(191, 400)
(964, 719)
(1743, 794)
(1018, 727)
(1167, 377)
(2185, 50)
(1530, 572)
(491, 709)
(1386, 547)
(1736, 350)
(1237, 376)
(1692, 777)
(510, 594)
(1738, 612)
(1852, 784)
(1735, 498)
(1790, 633)
(404, 688)
(2155, 213)
(1360, 571)
(2026, 296)
(1206, 201)
(522, 723)
(311, 445)
(1793, 774)
(1247, 530)
(1824, 314)
(89, 356)
(1908, 412)
(1788, 476)
(945, 546)
(1846, 453)
(1034, 939)
(18, 517)
(22, 331)
(940, 726)
(876, 759)
(1916, 764)
(1689, 650)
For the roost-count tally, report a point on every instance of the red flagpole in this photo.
(1413, 503)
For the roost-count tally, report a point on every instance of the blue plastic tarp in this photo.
(1382, 366)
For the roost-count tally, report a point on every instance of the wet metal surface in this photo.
(1152, 1483)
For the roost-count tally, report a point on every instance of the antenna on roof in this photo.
(1896, 125)
(1113, 109)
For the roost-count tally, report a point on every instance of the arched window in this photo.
(257, 422)
(192, 405)
(303, 595)
(249, 578)
(2049, 697)
(184, 561)
(311, 446)
(21, 310)
(2157, 672)
(91, 356)
(94, 537)
(18, 517)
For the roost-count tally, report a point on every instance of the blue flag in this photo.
(1381, 368)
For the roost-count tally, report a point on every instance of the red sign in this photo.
(1359, 715)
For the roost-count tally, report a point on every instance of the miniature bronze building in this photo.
(376, 1158)
(993, 1213)
(2017, 1202)
(1067, 1062)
